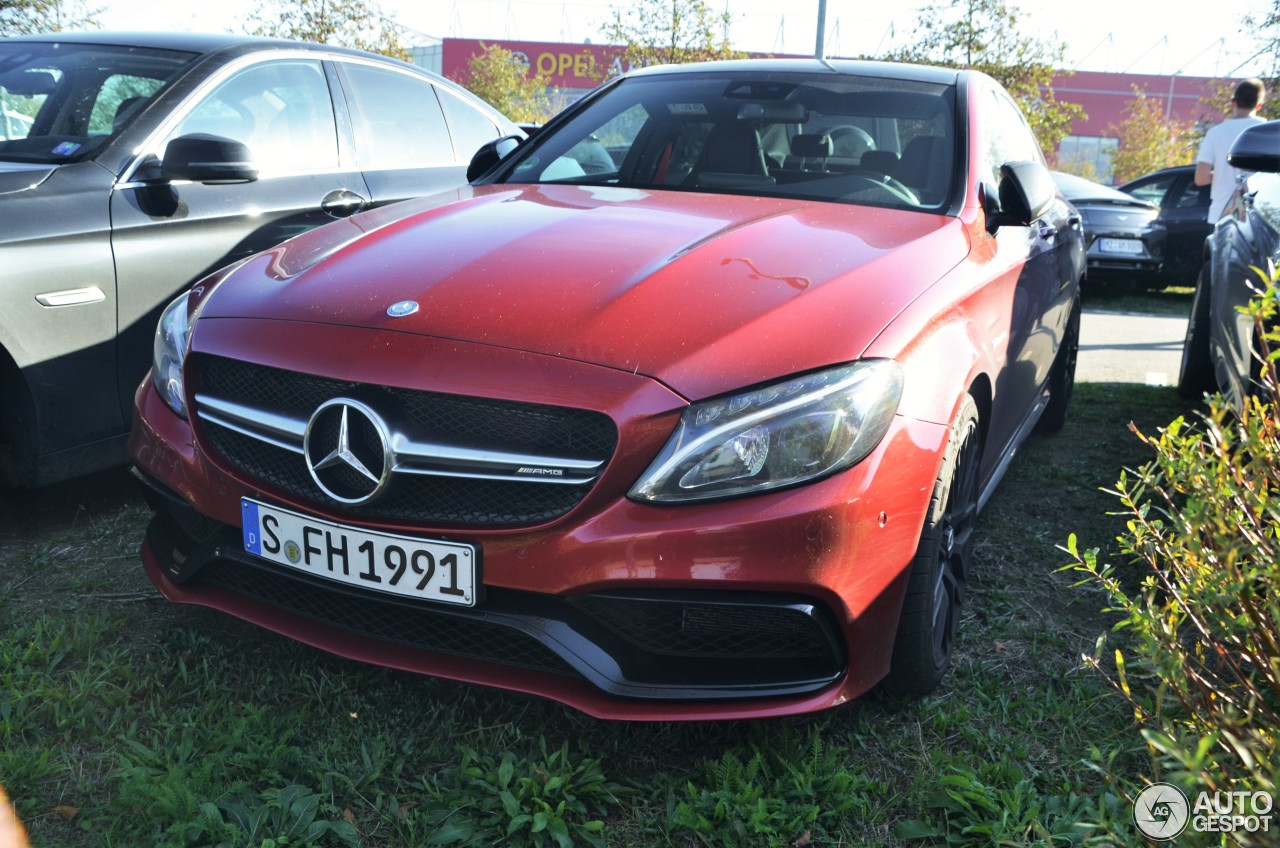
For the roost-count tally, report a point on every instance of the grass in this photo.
(126, 721)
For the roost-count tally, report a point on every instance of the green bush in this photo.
(1198, 602)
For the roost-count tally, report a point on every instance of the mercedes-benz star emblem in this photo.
(402, 308)
(347, 451)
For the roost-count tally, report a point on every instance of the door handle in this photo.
(342, 203)
(1048, 232)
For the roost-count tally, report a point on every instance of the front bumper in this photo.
(777, 604)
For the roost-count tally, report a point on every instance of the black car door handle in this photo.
(342, 203)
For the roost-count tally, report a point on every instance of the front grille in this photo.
(699, 629)
(386, 620)
(470, 423)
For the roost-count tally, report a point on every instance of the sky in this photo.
(1131, 36)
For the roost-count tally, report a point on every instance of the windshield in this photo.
(60, 102)
(834, 137)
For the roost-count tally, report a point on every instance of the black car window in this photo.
(60, 102)
(469, 127)
(398, 120)
(844, 138)
(1191, 196)
(282, 110)
(1153, 189)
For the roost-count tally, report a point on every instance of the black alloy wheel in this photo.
(930, 618)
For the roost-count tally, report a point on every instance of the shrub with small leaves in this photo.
(1199, 601)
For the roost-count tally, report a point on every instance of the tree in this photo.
(24, 17)
(670, 32)
(347, 23)
(498, 77)
(1266, 30)
(1149, 139)
(984, 35)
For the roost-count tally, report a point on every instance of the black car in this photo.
(1184, 211)
(131, 166)
(1124, 237)
(1220, 349)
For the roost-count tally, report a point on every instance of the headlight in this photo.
(173, 340)
(786, 433)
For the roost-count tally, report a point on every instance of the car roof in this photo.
(1078, 189)
(892, 70)
(191, 42)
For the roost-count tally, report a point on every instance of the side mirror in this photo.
(1257, 148)
(490, 154)
(1027, 191)
(211, 159)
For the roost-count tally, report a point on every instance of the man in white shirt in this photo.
(1212, 168)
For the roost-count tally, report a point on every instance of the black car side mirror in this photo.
(211, 159)
(1257, 148)
(1026, 192)
(490, 154)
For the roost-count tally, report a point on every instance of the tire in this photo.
(1062, 378)
(930, 617)
(1195, 374)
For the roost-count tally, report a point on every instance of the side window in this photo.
(1009, 138)
(398, 121)
(1192, 196)
(1152, 191)
(119, 98)
(469, 126)
(281, 110)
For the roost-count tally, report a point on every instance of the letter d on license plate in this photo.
(426, 569)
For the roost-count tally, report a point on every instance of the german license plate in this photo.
(1129, 247)
(429, 570)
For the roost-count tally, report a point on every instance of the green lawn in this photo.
(125, 721)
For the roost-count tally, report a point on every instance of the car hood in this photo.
(20, 176)
(707, 293)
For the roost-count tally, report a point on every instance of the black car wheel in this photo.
(1062, 379)
(935, 592)
(1195, 375)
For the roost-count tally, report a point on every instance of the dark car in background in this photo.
(1123, 235)
(1220, 352)
(131, 166)
(1184, 211)
(678, 411)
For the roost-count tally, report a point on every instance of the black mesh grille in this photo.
(709, 630)
(463, 421)
(386, 620)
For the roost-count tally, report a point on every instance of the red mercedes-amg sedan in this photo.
(684, 408)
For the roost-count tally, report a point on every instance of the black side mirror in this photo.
(1257, 148)
(1026, 192)
(211, 159)
(490, 154)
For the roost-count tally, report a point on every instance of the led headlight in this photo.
(173, 340)
(779, 435)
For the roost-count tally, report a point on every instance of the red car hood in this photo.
(706, 293)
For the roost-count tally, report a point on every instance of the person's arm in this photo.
(1204, 173)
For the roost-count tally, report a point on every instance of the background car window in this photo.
(20, 101)
(1192, 196)
(281, 110)
(470, 127)
(398, 120)
(1153, 190)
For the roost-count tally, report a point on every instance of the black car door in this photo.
(169, 233)
(1184, 211)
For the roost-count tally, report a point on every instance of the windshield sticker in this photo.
(686, 108)
(66, 148)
